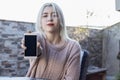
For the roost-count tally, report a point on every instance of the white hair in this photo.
(57, 9)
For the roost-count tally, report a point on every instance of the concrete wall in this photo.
(111, 47)
(12, 62)
(117, 5)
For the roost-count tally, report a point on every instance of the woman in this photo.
(60, 58)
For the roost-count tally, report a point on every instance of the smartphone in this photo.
(31, 44)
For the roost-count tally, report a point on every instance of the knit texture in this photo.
(61, 62)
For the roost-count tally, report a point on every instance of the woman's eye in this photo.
(44, 15)
(54, 15)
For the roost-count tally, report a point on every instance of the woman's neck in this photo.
(53, 38)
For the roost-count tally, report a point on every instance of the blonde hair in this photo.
(57, 9)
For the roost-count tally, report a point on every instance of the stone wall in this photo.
(12, 62)
(91, 40)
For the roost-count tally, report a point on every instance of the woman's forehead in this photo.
(49, 8)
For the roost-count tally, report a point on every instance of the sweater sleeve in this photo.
(73, 64)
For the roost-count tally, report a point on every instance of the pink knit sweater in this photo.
(56, 62)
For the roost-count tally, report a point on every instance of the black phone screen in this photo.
(31, 44)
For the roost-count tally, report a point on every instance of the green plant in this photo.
(118, 76)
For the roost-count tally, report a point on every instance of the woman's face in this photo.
(50, 20)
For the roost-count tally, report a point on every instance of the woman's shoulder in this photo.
(74, 47)
(73, 42)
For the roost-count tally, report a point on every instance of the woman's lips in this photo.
(50, 24)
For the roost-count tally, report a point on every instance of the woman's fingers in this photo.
(22, 42)
(38, 44)
(23, 46)
(29, 31)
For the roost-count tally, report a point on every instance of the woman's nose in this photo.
(50, 18)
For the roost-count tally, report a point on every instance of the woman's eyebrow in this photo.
(53, 12)
(44, 13)
(47, 13)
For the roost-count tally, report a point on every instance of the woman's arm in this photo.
(73, 65)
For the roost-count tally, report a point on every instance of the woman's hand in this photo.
(23, 42)
(23, 45)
